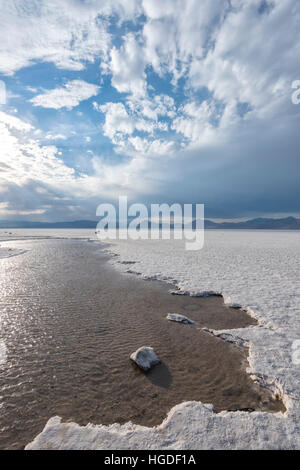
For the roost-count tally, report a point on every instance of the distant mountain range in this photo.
(8, 224)
(287, 223)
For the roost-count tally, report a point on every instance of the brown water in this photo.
(70, 323)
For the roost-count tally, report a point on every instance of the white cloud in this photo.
(23, 159)
(35, 180)
(160, 105)
(13, 122)
(152, 148)
(121, 123)
(117, 120)
(65, 32)
(127, 67)
(55, 137)
(177, 31)
(243, 65)
(67, 97)
(33, 177)
(199, 123)
(6, 209)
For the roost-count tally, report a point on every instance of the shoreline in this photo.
(268, 431)
(190, 356)
(282, 427)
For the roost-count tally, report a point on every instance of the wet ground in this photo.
(70, 322)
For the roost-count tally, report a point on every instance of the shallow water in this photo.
(70, 322)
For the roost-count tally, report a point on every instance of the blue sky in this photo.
(175, 101)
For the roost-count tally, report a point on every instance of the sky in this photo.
(174, 101)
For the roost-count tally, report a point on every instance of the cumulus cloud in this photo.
(22, 157)
(34, 180)
(178, 31)
(160, 105)
(121, 123)
(127, 66)
(68, 96)
(117, 121)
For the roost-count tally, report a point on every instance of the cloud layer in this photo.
(191, 102)
(68, 96)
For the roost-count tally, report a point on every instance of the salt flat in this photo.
(257, 270)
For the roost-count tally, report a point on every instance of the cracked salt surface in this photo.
(256, 270)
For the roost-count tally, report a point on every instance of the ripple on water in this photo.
(70, 322)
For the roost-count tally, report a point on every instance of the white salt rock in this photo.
(179, 318)
(145, 358)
